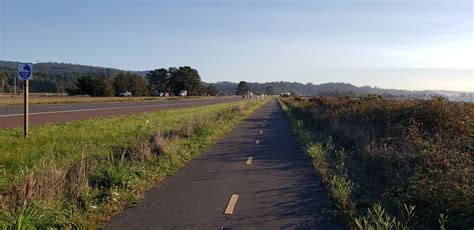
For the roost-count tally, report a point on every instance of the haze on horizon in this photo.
(403, 44)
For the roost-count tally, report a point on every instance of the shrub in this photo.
(411, 151)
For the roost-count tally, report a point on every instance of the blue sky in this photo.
(406, 44)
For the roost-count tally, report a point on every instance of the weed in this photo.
(408, 214)
(377, 219)
(34, 215)
(113, 173)
(341, 188)
(442, 221)
(141, 152)
(316, 152)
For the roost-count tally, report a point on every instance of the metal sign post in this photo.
(25, 72)
(26, 108)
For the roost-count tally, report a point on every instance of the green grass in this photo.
(68, 142)
(83, 171)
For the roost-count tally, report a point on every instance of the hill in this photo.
(331, 89)
(54, 68)
(56, 77)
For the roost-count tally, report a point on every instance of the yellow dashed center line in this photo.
(249, 161)
(232, 202)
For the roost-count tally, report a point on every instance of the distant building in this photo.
(285, 94)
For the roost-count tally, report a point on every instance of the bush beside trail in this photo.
(412, 152)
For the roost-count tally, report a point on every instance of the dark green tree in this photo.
(95, 87)
(127, 82)
(211, 90)
(242, 88)
(186, 78)
(86, 85)
(104, 87)
(173, 80)
(159, 80)
(269, 90)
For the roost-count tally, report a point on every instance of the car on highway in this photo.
(163, 94)
(125, 94)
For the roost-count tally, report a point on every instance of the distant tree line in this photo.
(41, 82)
(109, 82)
(62, 77)
(171, 81)
(105, 86)
(327, 89)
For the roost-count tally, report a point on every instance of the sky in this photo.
(400, 44)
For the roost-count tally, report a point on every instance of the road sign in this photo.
(25, 71)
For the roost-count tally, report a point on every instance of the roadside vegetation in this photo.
(77, 174)
(405, 164)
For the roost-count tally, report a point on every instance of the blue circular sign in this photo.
(24, 71)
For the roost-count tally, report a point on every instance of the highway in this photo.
(256, 177)
(12, 116)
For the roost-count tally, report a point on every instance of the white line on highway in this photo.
(84, 110)
(257, 142)
(231, 205)
(57, 107)
(249, 161)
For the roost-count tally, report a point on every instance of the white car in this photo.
(163, 94)
(125, 94)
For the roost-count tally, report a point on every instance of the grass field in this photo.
(408, 162)
(9, 99)
(76, 174)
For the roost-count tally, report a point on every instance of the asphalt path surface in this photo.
(254, 178)
(12, 116)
